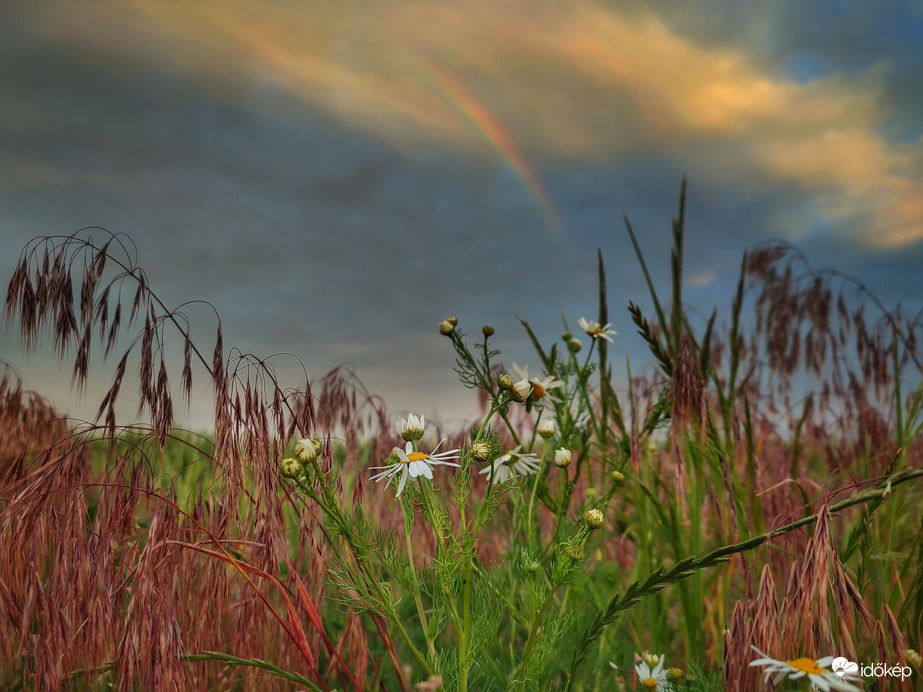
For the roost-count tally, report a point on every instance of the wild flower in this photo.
(446, 328)
(307, 449)
(510, 464)
(480, 451)
(816, 671)
(413, 464)
(595, 330)
(563, 457)
(594, 518)
(540, 385)
(290, 468)
(652, 678)
(521, 390)
(545, 429)
(412, 428)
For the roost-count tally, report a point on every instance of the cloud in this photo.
(567, 83)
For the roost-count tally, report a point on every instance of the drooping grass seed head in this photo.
(546, 429)
(411, 429)
(562, 458)
(291, 468)
(594, 518)
(307, 449)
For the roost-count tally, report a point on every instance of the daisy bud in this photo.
(446, 328)
(546, 429)
(575, 552)
(651, 659)
(290, 468)
(594, 518)
(504, 381)
(532, 566)
(675, 675)
(567, 336)
(481, 451)
(562, 458)
(617, 477)
(411, 429)
(453, 321)
(307, 449)
(574, 345)
(488, 330)
(591, 494)
(914, 658)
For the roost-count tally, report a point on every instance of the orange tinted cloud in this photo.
(574, 82)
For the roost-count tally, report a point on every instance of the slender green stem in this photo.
(430, 647)
(533, 632)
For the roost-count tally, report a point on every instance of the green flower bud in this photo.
(290, 468)
(594, 519)
(481, 451)
(488, 330)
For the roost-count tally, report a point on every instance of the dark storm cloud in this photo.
(333, 198)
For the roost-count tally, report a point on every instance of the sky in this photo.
(338, 177)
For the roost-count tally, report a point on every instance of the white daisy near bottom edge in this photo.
(413, 464)
(652, 678)
(817, 672)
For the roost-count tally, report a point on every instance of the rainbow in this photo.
(493, 133)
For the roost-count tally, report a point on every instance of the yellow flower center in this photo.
(417, 456)
(649, 683)
(807, 665)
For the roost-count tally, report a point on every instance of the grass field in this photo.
(755, 494)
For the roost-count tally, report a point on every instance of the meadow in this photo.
(754, 495)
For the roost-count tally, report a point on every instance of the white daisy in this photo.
(413, 464)
(594, 329)
(652, 679)
(540, 385)
(412, 428)
(510, 464)
(816, 671)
